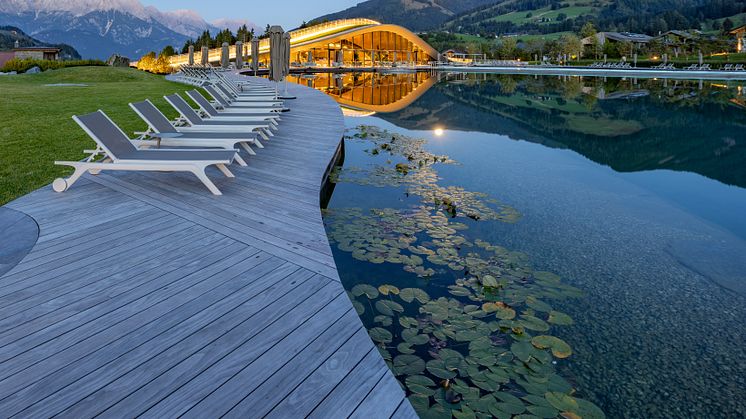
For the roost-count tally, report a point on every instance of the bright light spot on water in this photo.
(438, 132)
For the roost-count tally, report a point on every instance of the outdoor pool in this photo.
(547, 245)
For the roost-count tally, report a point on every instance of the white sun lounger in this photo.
(196, 122)
(226, 101)
(160, 128)
(231, 115)
(118, 153)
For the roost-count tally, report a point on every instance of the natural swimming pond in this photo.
(547, 246)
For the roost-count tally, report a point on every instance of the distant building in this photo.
(604, 37)
(352, 42)
(37, 53)
(740, 33)
(678, 37)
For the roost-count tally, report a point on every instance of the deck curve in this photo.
(147, 295)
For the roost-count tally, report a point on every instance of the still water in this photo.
(564, 243)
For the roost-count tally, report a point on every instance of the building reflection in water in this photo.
(362, 94)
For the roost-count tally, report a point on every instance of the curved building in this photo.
(346, 42)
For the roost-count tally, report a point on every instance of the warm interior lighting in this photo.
(438, 132)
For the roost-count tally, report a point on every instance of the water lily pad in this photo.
(411, 336)
(464, 413)
(538, 305)
(438, 368)
(534, 323)
(364, 289)
(419, 402)
(388, 307)
(406, 321)
(421, 380)
(380, 335)
(405, 348)
(388, 289)
(383, 320)
(559, 318)
(411, 294)
(543, 411)
(561, 401)
(559, 347)
(521, 350)
(359, 307)
(588, 410)
(408, 364)
(489, 281)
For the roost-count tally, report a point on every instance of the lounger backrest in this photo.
(215, 94)
(202, 102)
(106, 134)
(224, 90)
(184, 109)
(153, 116)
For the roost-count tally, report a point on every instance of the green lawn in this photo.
(37, 128)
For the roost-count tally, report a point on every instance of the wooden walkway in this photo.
(146, 295)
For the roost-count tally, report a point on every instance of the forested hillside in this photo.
(552, 16)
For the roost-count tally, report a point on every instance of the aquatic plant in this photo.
(487, 348)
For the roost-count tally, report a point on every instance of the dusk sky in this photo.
(288, 13)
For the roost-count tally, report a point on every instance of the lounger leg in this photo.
(248, 149)
(240, 160)
(61, 185)
(269, 132)
(263, 135)
(225, 170)
(201, 175)
(258, 143)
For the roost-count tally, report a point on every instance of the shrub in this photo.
(27, 63)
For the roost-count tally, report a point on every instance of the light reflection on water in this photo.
(631, 190)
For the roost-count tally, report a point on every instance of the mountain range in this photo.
(99, 28)
(417, 15)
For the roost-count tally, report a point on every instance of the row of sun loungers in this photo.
(733, 67)
(240, 114)
(620, 64)
(664, 66)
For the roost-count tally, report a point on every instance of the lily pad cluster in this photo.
(482, 353)
(413, 168)
(486, 345)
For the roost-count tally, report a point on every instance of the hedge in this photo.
(27, 63)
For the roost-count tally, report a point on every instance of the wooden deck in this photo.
(146, 295)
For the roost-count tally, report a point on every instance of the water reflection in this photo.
(657, 253)
(628, 124)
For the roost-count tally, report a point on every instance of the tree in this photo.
(571, 45)
(506, 50)
(716, 25)
(167, 51)
(561, 17)
(588, 30)
(243, 34)
(727, 25)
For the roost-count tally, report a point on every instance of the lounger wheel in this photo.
(59, 185)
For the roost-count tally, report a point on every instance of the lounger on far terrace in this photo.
(191, 117)
(226, 101)
(210, 110)
(118, 153)
(160, 128)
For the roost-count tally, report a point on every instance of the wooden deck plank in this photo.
(349, 392)
(254, 340)
(382, 401)
(144, 294)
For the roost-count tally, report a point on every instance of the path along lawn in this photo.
(36, 127)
